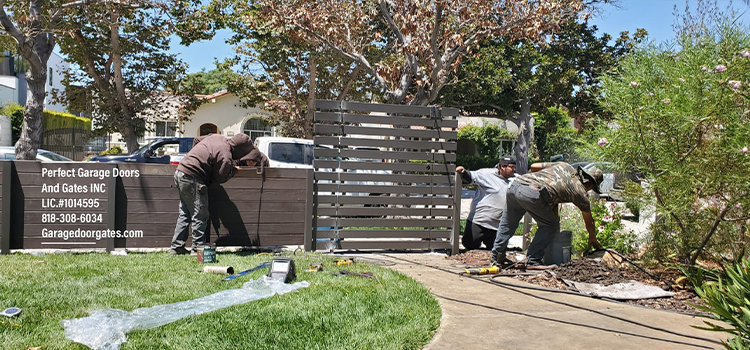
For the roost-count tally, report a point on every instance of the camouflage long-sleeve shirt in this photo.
(563, 183)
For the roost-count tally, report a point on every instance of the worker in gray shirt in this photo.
(488, 203)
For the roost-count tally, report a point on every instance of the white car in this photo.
(286, 152)
(9, 153)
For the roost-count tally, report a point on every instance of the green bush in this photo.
(475, 162)
(113, 150)
(729, 300)
(488, 138)
(50, 120)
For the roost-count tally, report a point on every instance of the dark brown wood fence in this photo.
(385, 177)
(251, 209)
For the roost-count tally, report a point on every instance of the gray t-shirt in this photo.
(489, 202)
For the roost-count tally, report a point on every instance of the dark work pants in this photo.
(521, 199)
(475, 235)
(193, 211)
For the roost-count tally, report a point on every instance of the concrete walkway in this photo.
(482, 315)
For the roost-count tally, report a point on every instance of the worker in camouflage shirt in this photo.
(539, 194)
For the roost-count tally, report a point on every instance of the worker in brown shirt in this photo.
(214, 159)
(539, 194)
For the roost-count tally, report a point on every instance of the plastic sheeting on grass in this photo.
(106, 329)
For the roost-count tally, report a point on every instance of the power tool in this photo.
(315, 268)
(343, 262)
(484, 271)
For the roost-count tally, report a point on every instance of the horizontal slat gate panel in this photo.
(382, 244)
(393, 132)
(386, 120)
(420, 168)
(369, 142)
(340, 234)
(344, 200)
(336, 153)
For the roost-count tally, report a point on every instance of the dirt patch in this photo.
(595, 271)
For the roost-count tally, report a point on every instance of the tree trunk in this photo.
(128, 133)
(312, 67)
(31, 133)
(524, 137)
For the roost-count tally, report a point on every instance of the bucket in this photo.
(558, 250)
(207, 253)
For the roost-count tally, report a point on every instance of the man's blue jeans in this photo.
(519, 200)
(193, 210)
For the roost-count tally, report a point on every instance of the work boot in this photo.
(501, 262)
(178, 251)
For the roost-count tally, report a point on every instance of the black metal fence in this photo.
(69, 142)
(385, 177)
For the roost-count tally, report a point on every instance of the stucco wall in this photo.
(225, 112)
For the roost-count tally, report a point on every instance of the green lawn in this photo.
(347, 312)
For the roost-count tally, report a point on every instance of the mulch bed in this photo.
(596, 271)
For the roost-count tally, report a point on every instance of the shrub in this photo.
(680, 119)
(50, 120)
(729, 300)
(488, 138)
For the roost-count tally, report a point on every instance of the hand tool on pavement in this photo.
(484, 271)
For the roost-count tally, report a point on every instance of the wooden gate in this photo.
(385, 177)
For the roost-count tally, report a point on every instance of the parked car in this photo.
(158, 151)
(286, 152)
(9, 153)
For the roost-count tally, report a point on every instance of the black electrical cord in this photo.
(512, 286)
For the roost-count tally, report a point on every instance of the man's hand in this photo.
(238, 168)
(460, 169)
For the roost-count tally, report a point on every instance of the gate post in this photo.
(309, 240)
(456, 214)
(5, 226)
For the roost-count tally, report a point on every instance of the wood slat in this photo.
(375, 200)
(332, 234)
(384, 179)
(385, 143)
(382, 222)
(386, 120)
(363, 130)
(385, 108)
(382, 244)
(348, 188)
(380, 211)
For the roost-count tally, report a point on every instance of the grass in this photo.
(347, 312)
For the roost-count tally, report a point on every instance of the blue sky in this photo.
(656, 16)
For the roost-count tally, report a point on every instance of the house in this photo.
(222, 113)
(13, 85)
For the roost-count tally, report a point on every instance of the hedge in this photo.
(50, 120)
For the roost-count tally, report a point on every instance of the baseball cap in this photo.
(506, 161)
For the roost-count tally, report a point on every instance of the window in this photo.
(256, 127)
(166, 129)
(207, 129)
(50, 77)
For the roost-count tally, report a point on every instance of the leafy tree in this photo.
(283, 73)
(510, 78)
(211, 81)
(554, 135)
(488, 138)
(121, 50)
(411, 48)
(680, 119)
(31, 25)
